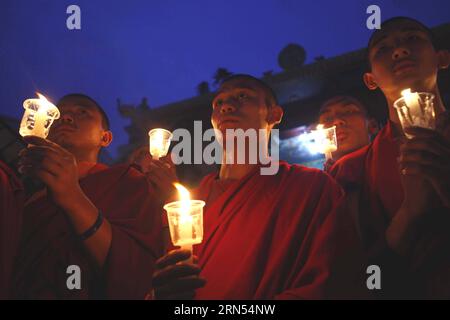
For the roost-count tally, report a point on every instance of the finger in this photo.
(195, 259)
(431, 146)
(37, 158)
(161, 164)
(44, 166)
(420, 132)
(168, 159)
(176, 271)
(37, 141)
(46, 177)
(423, 158)
(172, 257)
(424, 171)
(39, 152)
(439, 180)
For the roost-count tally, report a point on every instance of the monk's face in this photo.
(402, 56)
(352, 131)
(240, 104)
(79, 127)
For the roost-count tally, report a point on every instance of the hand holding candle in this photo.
(185, 220)
(38, 117)
(159, 140)
(416, 110)
(325, 140)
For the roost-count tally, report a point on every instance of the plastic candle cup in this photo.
(325, 140)
(159, 140)
(38, 117)
(185, 219)
(416, 109)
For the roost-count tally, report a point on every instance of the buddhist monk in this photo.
(94, 231)
(403, 184)
(266, 236)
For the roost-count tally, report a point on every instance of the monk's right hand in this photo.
(174, 278)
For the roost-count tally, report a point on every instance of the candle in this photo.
(159, 140)
(412, 100)
(325, 140)
(38, 117)
(415, 109)
(185, 219)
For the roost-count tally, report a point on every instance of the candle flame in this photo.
(45, 106)
(42, 97)
(406, 92)
(185, 199)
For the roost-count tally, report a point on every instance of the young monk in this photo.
(265, 236)
(11, 205)
(403, 184)
(103, 220)
(354, 127)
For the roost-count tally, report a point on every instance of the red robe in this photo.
(372, 172)
(11, 205)
(49, 244)
(277, 237)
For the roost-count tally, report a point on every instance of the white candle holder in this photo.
(325, 140)
(38, 117)
(185, 219)
(159, 142)
(416, 109)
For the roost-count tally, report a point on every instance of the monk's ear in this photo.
(443, 59)
(275, 115)
(369, 80)
(106, 138)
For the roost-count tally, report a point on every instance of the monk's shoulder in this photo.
(299, 174)
(349, 169)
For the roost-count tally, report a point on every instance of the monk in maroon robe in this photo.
(101, 222)
(402, 185)
(11, 205)
(275, 236)
(354, 126)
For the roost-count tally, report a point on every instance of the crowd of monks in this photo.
(302, 233)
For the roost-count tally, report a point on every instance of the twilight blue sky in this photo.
(162, 49)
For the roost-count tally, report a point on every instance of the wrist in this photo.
(74, 200)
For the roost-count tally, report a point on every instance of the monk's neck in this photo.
(84, 167)
(235, 171)
(391, 98)
(85, 162)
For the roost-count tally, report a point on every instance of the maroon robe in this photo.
(11, 206)
(372, 172)
(277, 237)
(49, 244)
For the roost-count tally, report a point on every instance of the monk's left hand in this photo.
(54, 165)
(427, 155)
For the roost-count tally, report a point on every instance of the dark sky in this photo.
(162, 49)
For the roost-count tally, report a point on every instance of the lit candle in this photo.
(415, 109)
(325, 140)
(185, 219)
(38, 117)
(159, 140)
(412, 100)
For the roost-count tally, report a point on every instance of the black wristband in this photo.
(89, 232)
